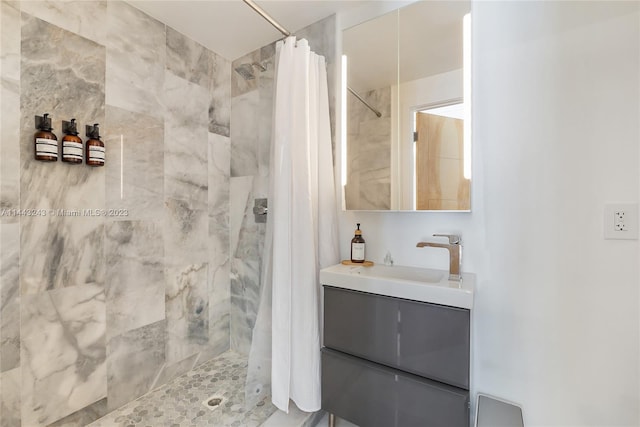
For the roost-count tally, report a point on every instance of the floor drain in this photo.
(213, 402)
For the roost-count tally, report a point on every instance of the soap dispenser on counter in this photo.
(357, 246)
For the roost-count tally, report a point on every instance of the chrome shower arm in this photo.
(266, 16)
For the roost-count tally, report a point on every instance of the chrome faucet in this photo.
(455, 253)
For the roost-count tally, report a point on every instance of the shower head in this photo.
(246, 70)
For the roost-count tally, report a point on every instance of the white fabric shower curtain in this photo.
(302, 233)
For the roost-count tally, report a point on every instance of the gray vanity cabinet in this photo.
(394, 362)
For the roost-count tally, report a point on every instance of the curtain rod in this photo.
(287, 33)
(266, 16)
(354, 93)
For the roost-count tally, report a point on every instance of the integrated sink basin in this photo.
(414, 283)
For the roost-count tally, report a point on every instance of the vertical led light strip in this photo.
(466, 76)
(121, 167)
(343, 118)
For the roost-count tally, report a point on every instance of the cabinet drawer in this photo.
(372, 395)
(429, 340)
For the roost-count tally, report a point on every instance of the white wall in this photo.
(556, 132)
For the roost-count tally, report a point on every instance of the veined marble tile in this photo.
(84, 416)
(246, 245)
(74, 253)
(245, 132)
(240, 190)
(360, 117)
(245, 298)
(188, 59)
(186, 172)
(136, 52)
(84, 18)
(218, 280)
(61, 74)
(66, 53)
(375, 190)
(265, 110)
(219, 292)
(218, 168)
(171, 371)
(185, 140)
(187, 311)
(10, 148)
(220, 91)
(268, 54)
(186, 232)
(135, 170)
(9, 297)
(134, 360)
(9, 108)
(135, 275)
(321, 36)
(10, 398)
(352, 194)
(242, 226)
(368, 152)
(62, 353)
(10, 40)
(240, 84)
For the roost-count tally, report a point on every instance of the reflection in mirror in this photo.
(404, 64)
(439, 158)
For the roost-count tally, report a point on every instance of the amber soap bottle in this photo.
(71, 143)
(357, 246)
(46, 143)
(94, 148)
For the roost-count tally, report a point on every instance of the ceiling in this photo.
(231, 28)
(419, 40)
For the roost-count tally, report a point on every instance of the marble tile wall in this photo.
(97, 310)
(10, 376)
(251, 118)
(251, 110)
(368, 151)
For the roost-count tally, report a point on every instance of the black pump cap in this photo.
(93, 132)
(44, 122)
(70, 127)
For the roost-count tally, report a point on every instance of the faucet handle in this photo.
(454, 239)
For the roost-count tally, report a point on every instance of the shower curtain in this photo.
(301, 238)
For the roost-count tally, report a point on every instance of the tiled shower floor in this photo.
(179, 403)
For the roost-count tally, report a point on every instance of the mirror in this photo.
(407, 127)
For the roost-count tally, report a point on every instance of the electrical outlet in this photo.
(621, 221)
(618, 221)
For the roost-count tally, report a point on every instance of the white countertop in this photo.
(414, 283)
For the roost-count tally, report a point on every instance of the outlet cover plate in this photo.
(617, 214)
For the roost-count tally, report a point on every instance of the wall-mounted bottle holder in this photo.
(45, 141)
(47, 149)
(94, 147)
(72, 148)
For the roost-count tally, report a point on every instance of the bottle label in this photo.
(357, 251)
(96, 153)
(46, 147)
(71, 150)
